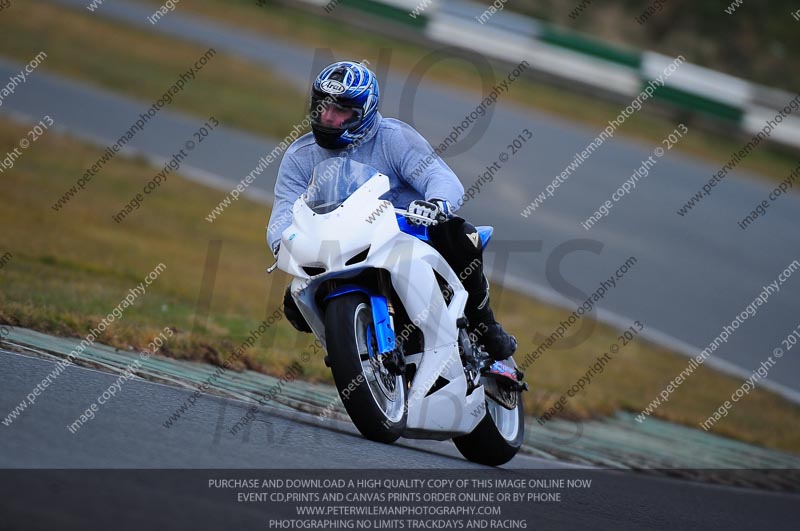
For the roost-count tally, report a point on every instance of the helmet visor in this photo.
(331, 115)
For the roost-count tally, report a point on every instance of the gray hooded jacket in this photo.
(392, 147)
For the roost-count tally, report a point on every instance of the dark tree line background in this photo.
(759, 42)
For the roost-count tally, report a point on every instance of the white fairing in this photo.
(330, 239)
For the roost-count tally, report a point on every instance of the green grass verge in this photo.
(69, 269)
(323, 31)
(144, 65)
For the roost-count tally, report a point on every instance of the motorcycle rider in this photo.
(344, 116)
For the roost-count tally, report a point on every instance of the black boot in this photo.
(484, 328)
(459, 243)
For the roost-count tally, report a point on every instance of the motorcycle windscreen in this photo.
(334, 180)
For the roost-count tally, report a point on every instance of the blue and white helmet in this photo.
(344, 104)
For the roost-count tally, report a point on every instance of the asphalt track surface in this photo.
(127, 435)
(694, 274)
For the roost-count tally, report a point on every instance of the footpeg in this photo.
(501, 370)
(505, 376)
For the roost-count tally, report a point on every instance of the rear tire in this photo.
(497, 438)
(374, 398)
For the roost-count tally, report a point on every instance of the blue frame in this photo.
(421, 231)
(418, 231)
(380, 316)
(485, 232)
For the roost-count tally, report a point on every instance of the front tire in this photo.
(374, 398)
(497, 438)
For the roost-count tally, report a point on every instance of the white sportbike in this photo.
(390, 313)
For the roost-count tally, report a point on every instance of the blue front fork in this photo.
(381, 319)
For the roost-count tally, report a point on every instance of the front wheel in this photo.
(374, 398)
(497, 438)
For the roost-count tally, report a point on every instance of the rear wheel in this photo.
(498, 437)
(374, 398)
